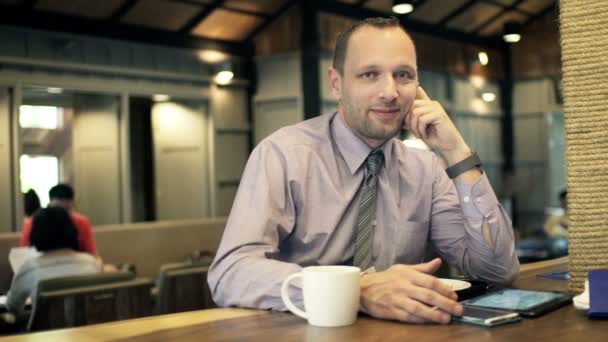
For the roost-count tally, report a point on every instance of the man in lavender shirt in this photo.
(299, 197)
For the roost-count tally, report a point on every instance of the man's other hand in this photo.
(409, 293)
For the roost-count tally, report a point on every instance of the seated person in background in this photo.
(62, 195)
(339, 189)
(556, 226)
(31, 203)
(52, 233)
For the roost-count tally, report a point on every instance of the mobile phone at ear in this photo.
(486, 317)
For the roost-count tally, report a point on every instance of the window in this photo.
(46, 117)
(39, 172)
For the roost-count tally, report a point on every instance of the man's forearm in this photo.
(252, 282)
(491, 243)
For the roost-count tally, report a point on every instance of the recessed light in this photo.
(511, 32)
(161, 97)
(488, 97)
(54, 90)
(224, 77)
(511, 38)
(483, 58)
(402, 7)
(212, 56)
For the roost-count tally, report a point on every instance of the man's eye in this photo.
(369, 74)
(404, 75)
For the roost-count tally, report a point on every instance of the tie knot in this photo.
(374, 162)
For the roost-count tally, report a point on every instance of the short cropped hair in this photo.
(344, 37)
(61, 191)
(53, 228)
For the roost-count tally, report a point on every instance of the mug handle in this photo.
(285, 295)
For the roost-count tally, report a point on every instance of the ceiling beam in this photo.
(226, 7)
(122, 10)
(200, 17)
(343, 9)
(457, 12)
(43, 20)
(247, 12)
(496, 16)
(516, 9)
(287, 5)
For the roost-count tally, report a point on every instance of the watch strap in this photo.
(464, 165)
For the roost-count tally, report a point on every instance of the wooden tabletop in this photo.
(565, 324)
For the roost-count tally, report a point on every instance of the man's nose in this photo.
(388, 90)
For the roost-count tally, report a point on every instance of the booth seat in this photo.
(146, 245)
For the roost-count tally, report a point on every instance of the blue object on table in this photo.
(563, 275)
(598, 294)
(537, 249)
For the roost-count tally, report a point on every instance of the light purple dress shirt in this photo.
(297, 206)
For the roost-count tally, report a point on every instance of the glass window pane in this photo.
(39, 172)
(48, 117)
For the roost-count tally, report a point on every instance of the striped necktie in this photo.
(367, 212)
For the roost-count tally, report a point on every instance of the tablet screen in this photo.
(513, 299)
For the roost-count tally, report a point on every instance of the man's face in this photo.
(379, 83)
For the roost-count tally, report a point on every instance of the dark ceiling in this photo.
(231, 25)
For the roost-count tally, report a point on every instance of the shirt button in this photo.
(466, 199)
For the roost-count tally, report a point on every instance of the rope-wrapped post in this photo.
(584, 41)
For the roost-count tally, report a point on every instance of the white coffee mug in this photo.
(331, 295)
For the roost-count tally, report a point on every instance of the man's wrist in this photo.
(364, 283)
(456, 155)
(470, 163)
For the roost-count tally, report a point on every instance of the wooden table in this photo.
(565, 324)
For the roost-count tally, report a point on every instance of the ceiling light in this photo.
(212, 56)
(483, 58)
(511, 33)
(402, 7)
(224, 77)
(511, 38)
(161, 97)
(488, 97)
(477, 81)
(54, 90)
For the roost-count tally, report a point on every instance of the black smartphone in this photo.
(486, 317)
(528, 303)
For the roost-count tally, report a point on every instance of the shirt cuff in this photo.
(477, 198)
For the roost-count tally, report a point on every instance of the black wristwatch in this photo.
(465, 165)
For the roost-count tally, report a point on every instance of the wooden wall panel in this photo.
(433, 53)
(538, 54)
(283, 35)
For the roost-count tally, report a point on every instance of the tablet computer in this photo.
(529, 303)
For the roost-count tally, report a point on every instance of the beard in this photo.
(362, 122)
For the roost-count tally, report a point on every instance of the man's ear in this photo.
(335, 83)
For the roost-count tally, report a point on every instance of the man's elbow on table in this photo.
(214, 277)
(503, 275)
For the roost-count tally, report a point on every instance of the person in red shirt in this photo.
(62, 195)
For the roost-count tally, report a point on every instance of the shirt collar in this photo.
(352, 148)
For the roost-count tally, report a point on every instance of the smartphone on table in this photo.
(486, 317)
